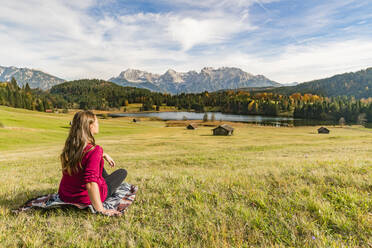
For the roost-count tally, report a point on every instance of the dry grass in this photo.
(184, 123)
(261, 187)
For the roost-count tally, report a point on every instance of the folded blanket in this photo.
(120, 200)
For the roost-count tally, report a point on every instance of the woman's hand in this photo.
(109, 160)
(110, 212)
(95, 198)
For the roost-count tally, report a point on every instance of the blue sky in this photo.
(286, 40)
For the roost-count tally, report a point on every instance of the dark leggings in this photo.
(113, 180)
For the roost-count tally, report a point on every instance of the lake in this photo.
(256, 119)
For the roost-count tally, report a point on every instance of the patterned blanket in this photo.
(120, 200)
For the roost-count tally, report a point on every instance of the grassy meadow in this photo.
(261, 187)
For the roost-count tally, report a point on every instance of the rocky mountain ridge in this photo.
(208, 79)
(35, 78)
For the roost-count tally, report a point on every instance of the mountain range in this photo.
(208, 79)
(34, 78)
(358, 84)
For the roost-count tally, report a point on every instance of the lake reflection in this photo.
(257, 119)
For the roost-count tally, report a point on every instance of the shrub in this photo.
(342, 121)
(362, 119)
(205, 117)
(213, 117)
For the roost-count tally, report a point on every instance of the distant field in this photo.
(136, 107)
(261, 187)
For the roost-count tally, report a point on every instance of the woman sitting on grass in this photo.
(85, 179)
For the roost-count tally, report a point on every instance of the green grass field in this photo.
(261, 187)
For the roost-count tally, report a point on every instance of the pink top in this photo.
(73, 189)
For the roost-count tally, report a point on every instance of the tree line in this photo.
(336, 108)
(13, 96)
(102, 95)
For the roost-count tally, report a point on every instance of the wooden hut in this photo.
(223, 130)
(192, 126)
(323, 130)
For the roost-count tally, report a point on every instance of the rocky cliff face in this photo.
(35, 78)
(208, 79)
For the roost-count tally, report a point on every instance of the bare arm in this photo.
(95, 199)
(109, 160)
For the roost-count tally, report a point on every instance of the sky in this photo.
(287, 41)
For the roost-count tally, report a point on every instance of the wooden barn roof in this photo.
(226, 127)
(194, 125)
(323, 128)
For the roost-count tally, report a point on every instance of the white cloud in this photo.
(308, 62)
(324, 59)
(190, 32)
(61, 38)
(217, 4)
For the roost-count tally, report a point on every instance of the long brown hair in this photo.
(79, 136)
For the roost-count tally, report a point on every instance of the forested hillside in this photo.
(100, 94)
(357, 84)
